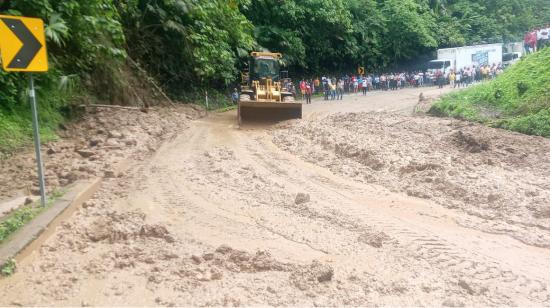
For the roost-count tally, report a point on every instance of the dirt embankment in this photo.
(497, 177)
(93, 147)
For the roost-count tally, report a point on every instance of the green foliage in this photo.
(408, 27)
(81, 36)
(15, 110)
(8, 268)
(24, 215)
(462, 22)
(187, 44)
(519, 99)
(318, 35)
(216, 99)
(17, 220)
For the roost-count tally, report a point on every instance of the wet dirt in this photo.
(312, 212)
(499, 179)
(92, 147)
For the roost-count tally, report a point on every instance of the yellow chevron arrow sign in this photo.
(23, 44)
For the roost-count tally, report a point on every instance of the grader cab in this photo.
(265, 94)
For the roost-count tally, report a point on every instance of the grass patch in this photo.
(216, 100)
(16, 128)
(517, 100)
(53, 96)
(224, 109)
(8, 268)
(20, 217)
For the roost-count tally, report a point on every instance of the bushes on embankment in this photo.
(517, 100)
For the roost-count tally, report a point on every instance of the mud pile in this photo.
(92, 147)
(498, 177)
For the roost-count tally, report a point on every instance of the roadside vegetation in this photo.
(107, 51)
(8, 268)
(517, 100)
(20, 217)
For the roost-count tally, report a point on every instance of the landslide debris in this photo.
(498, 178)
(92, 147)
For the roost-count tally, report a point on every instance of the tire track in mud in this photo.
(248, 171)
(430, 248)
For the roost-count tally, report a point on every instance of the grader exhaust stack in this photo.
(265, 94)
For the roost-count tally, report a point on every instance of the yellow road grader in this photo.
(265, 94)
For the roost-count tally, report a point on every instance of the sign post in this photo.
(36, 133)
(23, 49)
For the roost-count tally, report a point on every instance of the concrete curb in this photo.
(32, 235)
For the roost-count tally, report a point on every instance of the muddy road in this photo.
(360, 203)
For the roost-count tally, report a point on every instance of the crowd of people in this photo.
(334, 88)
(536, 39)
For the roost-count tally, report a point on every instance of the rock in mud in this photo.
(100, 230)
(375, 240)
(69, 176)
(242, 261)
(544, 212)
(130, 142)
(470, 143)
(111, 142)
(306, 277)
(86, 153)
(95, 142)
(115, 134)
(156, 231)
(51, 151)
(215, 274)
(196, 259)
(452, 303)
(301, 198)
(88, 204)
(464, 285)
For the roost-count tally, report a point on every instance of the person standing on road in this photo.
(452, 79)
(533, 40)
(332, 91)
(302, 88)
(383, 82)
(355, 84)
(369, 83)
(235, 96)
(316, 84)
(544, 36)
(326, 88)
(458, 77)
(364, 86)
(309, 91)
(439, 78)
(340, 89)
(527, 42)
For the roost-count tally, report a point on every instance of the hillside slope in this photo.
(518, 100)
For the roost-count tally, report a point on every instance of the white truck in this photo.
(467, 56)
(513, 52)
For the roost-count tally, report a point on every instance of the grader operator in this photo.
(264, 93)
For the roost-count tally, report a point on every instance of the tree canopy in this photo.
(187, 44)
